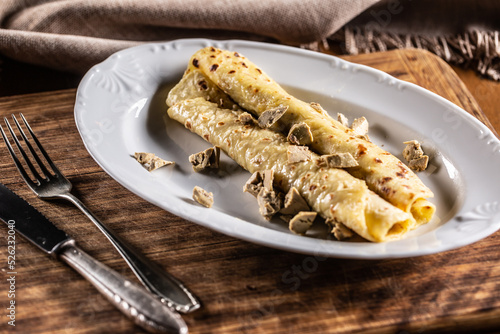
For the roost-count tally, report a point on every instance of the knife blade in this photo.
(134, 301)
(13, 208)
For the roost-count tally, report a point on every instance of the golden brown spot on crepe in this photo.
(213, 67)
(231, 72)
(206, 136)
(403, 171)
(258, 70)
(188, 125)
(236, 54)
(386, 190)
(313, 187)
(386, 179)
(203, 84)
(220, 123)
(244, 65)
(195, 63)
(377, 160)
(361, 150)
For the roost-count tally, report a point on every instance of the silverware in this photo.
(55, 185)
(145, 309)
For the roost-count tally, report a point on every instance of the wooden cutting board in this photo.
(245, 288)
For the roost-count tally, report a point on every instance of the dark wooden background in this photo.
(245, 288)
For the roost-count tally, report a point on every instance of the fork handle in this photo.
(131, 299)
(155, 279)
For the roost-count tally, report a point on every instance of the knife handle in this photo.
(155, 279)
(135, 302)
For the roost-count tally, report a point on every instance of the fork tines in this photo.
(26, 158)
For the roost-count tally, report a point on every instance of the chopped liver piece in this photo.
(205, 159)
(360, 126)
(143, 157)
(203, 197)
(151, 161)
(413, 150)
(246, 118)
(300, 134)
(415, 156)
(286, 218)
(339, 230)
(316, 106)
(259, 180)
(301, 222)
(270, 116)
(338, 160)
(419, 164)
(342, 119)
(298, 154)
(294, 203)
(269, 202)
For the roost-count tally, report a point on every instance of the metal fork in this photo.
(55, 185)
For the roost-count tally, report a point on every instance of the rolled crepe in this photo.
(254, 91)
(331, 192)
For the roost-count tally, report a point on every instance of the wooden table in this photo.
(245, 288)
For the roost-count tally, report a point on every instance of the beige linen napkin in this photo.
(74, 35)
(462, 32)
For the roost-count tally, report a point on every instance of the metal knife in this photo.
(145, 309)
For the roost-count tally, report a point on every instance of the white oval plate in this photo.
(120, 110)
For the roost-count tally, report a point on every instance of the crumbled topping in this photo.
(339, 230)
(318, 108)
(271, 116)
(269, 202)
(415, 156)
(338, 160)
(286, 218)
(259, 180)
(203, 197)
(419, 164)
(301, 222)
(246, 118)
(298, 154)
(208, 158)
(360, 126)
(294, 203)
(151, 161)
(300, 134)
(342, 119)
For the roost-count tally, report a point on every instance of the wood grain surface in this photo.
(245, 288)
